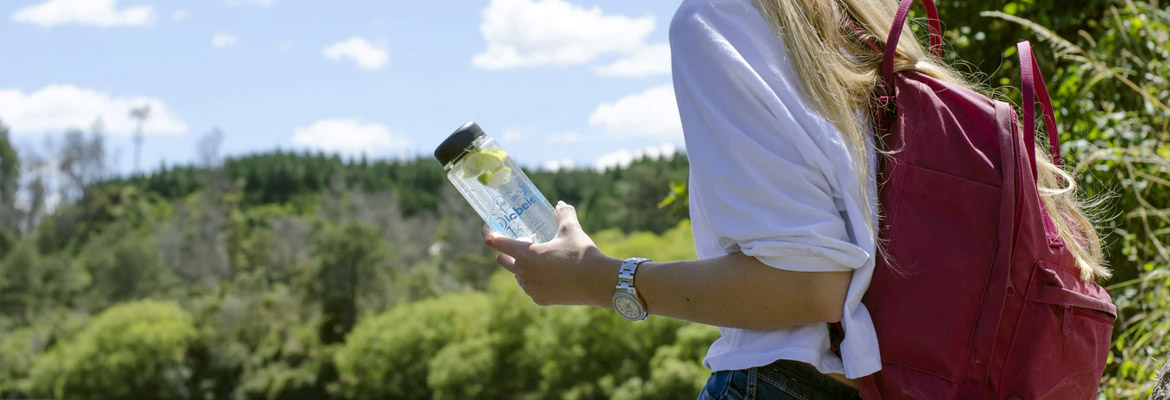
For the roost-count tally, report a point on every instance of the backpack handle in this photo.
(896, 32)
(1033, 85)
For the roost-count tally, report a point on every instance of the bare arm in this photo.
(739, 291)
(734, 290)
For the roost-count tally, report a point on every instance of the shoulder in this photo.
(727, 37)
(698, 16)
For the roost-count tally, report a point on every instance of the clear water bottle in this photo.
(495, 186)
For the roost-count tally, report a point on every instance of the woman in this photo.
(772, 96)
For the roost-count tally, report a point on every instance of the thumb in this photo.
(567, 218)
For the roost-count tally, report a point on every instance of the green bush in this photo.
(21, 347)
(258, 345)
(463, 370)
(124, 265)
(386, 355)
(33, 285)
(674, 372)
(18, 349)
(672, 245)
(132, 350)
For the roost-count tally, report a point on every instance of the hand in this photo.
(567, 270)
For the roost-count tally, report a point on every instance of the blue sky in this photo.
(576, 82)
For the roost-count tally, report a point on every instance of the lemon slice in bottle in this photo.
(495, 177)
(480, 161)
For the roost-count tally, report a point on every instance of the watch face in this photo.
(627, 306)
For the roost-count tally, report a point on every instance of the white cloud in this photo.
(349, 137)
(557, 165)
(360, 51)
(652, 113)
(57, 108)
(645, 61)
(623, 158)
(179, 15)
(524, 33)
(223, 40)
(261, 3)
(103, 13)
(563, 138)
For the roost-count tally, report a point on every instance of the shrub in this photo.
(132, 350)
(385, 356)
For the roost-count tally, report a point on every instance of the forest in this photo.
(292, 275)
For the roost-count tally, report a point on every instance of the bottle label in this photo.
(507, 218)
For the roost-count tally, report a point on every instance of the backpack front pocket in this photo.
(1061, 341)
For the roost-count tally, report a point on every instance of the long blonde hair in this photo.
(839, 73)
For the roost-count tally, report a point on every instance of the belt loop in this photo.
(751, 382)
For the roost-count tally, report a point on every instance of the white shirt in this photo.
(771, 178)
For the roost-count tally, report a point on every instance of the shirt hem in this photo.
(745, 361)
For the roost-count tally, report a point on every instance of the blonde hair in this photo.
(839, 73)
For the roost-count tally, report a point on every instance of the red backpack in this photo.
(978, 298)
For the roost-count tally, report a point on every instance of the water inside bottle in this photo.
(509, 203)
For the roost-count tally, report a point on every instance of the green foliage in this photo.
(124, 265)
(9, 183)
(382, 356)
(463, 370)
(352, 257)
(501, 345)
(258, 344)
(985, 47)
(9, 165)
(674, 244)
(581, 352)
(21, 347)
(626, 199)
(132, 350)
(280, 176)
(1139, 347)
(72, 225)
(677, 200)
(32, 284)
(589, 353)
(18, 349)
(674, 374)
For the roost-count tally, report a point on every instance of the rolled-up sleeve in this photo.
(760, 171)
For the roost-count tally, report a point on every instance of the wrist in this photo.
(602, 279)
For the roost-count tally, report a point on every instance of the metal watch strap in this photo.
(626, 273)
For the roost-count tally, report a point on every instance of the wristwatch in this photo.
(625, 298)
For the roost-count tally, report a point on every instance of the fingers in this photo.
(567, 218)
(507, 245)
(507, 262)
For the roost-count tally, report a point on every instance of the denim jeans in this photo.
(783, 379)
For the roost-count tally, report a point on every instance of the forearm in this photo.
(735, 291)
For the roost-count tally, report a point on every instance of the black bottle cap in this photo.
(453, 147)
